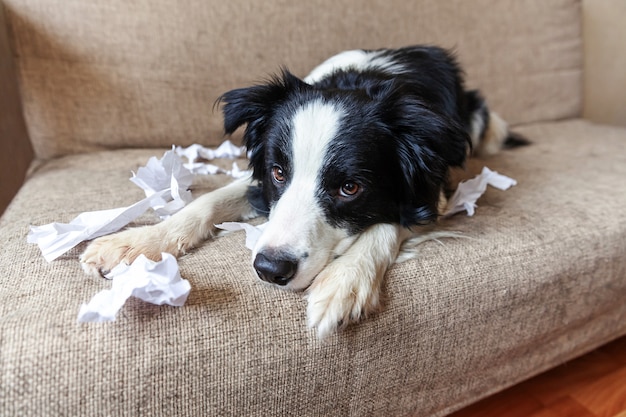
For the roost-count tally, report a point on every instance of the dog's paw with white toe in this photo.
(106, 252)
(341, 294)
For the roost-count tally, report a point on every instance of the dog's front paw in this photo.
(106, 252)
(341, 294)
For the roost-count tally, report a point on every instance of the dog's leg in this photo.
(177, 234)
(349, 287)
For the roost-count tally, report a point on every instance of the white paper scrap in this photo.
(226, 150)
(198, 155)
(162, 174)
(229, 150)
(55, 239)
(465, 196)
(253, 233)
(238, 173)
(154, 282)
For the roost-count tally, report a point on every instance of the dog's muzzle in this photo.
(275, 268)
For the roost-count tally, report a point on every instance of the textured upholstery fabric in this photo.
(99, 75)
(541, 280)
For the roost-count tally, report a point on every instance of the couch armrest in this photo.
(604, 61)
(17, 151)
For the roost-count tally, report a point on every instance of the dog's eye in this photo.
(349, 189)
(278, 174)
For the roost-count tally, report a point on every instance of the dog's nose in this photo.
(275, 268)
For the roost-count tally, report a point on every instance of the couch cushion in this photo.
(98, 75)
(541, 280)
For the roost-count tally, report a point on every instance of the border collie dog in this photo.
(347, 164)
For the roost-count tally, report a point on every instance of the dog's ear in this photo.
(255, 106)
(427, 144)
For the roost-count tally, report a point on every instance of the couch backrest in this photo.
(131, 73)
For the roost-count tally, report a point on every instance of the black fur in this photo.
(401, 133)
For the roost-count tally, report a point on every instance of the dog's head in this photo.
(331, 163)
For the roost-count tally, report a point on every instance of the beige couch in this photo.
(91, 90)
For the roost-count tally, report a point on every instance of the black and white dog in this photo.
(347, 164)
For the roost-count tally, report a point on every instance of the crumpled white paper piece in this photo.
(154, 282)
(465, 196)
(196, 153)
(163, 174)
(54, 239)
(253, 233)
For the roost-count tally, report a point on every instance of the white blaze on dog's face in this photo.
(298, 230)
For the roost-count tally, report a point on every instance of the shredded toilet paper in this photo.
(468, 192)
(196, 154)
(167, 173)
(166, 183)
(154, 282)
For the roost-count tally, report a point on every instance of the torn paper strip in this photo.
(154, 282)
(55, 239)
(253, 233)
(465, 196)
